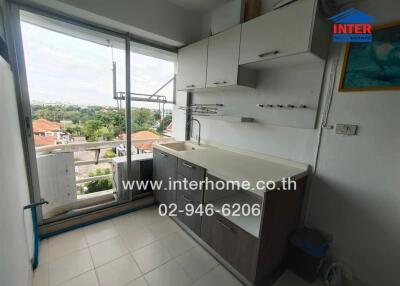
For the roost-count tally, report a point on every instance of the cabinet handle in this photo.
(187, 200)
(187, 165)
(190, 85)
(220, 82)
(268, 54)
(224, 225)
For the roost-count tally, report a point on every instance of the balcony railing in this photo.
(96, 147)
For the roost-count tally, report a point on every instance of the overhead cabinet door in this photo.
(281, 32)
(223, 58)
(192, 66)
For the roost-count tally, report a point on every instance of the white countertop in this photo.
(233, 166)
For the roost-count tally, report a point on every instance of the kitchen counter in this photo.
(233, 166)
(250, 223)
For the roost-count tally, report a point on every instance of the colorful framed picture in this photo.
(374, 65)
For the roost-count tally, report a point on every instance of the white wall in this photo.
(355, 195)
(16, 233)
(157, 20)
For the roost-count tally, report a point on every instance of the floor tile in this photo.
(150, 216)
(138, 282)
(99, 232)
(151, 256)
(289, 278)
(137, 238)
(128, 222)
(69, 266)
(218, 277)
(118, 272)
(108, 250)
(66, 243)
(196, 262)
(169, 274)
(86, 279)
(41, 276)
(178, 243)
(163, 228)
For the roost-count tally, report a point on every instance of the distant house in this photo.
(142, 147)
(46, 132)
(44, 140)
(44, 127)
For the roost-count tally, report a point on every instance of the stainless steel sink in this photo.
(182, 146)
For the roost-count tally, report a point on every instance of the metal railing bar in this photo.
(102, 144)
(92, 162)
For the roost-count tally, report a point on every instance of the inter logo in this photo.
(352, 25)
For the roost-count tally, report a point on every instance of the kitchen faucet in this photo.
(198, 122)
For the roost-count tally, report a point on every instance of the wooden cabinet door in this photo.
(281, 32)
(223, 58)
(192, 66)
(164, 169)
(191, 221)
(248, 255)
(226, 240)
(191, 172)
(236, 246)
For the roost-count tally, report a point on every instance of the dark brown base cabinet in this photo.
(255, 258)
(194, 196)
(164, 170)
(231, 242)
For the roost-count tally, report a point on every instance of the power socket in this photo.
(346, 129)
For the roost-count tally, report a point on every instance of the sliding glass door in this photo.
(93, 102)
(76, 125)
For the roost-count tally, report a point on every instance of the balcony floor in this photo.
(137, 249)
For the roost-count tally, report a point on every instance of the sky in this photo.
(68, 70)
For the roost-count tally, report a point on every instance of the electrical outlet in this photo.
(346, 129)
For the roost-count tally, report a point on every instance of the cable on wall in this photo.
(324, 119)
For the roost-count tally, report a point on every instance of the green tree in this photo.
(99, 185)
(74, 129)
(109, 154)
(157, 115)
(164, 123)
(142, 119)
(92, 130)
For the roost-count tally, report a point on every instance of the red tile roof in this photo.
(44, 125)
(143, 135)
(45, 140)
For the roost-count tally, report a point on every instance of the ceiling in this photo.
(198, 6)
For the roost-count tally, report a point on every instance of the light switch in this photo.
(346, 129)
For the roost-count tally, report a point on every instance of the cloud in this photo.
(65, 69)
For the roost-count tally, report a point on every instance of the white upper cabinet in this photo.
(192, 66)
(213, 62)
(283, 32)
(223, 58)
(293, 34)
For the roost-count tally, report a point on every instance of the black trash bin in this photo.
(307, 250)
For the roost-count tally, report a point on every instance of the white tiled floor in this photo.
(137, 249)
